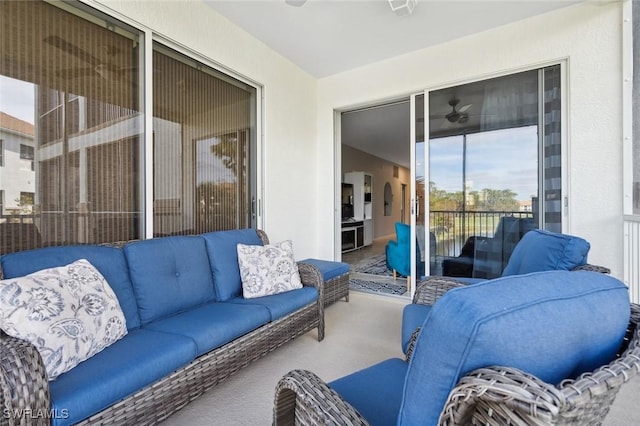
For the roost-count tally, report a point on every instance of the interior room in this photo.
(319, 212)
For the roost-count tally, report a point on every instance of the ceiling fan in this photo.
(459, 116)
(106, 70)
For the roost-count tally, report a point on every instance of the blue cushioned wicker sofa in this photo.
(188, 328)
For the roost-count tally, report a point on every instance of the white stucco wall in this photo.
(588, 36)
(290, 171)
(299, 151)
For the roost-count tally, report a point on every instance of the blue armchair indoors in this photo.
(398, 252)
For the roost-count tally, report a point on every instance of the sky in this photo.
(500, 159)
(17, 98)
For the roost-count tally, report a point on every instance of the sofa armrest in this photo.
(301, 397)
(592, 268)
(431, 289)
(311, 277)
(25, 384)
(263, 236)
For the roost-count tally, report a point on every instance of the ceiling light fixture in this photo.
(403, 7)
(296, 3)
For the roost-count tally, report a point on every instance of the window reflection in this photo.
(486, 140)
(71, 128)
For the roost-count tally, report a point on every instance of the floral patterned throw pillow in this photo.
(68, 313)
(267, 270)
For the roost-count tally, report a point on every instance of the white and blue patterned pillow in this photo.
(267, 270)
(69, 313)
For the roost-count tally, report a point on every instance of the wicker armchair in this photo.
(538, 250)
(494, 395)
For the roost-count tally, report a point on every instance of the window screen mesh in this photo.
(72, 128)
(201, 125)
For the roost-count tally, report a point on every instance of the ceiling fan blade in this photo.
(445, 124)
(72, 49)
(464, 108)
(68, 74)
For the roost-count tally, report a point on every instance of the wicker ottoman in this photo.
(336, 279)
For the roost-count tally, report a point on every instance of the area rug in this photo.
(377, 287)
(374, 265)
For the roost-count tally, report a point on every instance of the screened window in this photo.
(204, 130)
(71, 86)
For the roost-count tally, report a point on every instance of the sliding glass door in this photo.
(419, 208)
(494, 169)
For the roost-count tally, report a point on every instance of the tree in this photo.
(497, 200)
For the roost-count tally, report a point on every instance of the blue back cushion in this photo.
(169, 275)
(541, 250)
(222, 248)
(554, 325)
(109, 261)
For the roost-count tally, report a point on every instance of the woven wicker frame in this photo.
(25, 385)
(494, 396)
(335, 289)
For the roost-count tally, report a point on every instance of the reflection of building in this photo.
(17, 169)
(525, 206)
(87, 157)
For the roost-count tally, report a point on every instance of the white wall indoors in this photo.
(382, 172)
(290, 172)
(587, 36)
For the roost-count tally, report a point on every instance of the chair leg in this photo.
(394, 274)
(408, 284)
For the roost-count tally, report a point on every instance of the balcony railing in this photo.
(453, 228)
(28, 231)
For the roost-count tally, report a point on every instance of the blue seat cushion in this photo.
(110, 261)
(222, 249)
(413, 315)
(140, 358)
(169, 275)
(329, 269)
(541, 250)
(376, 391)
(214, 324)
(281, 305)
(554, 325)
